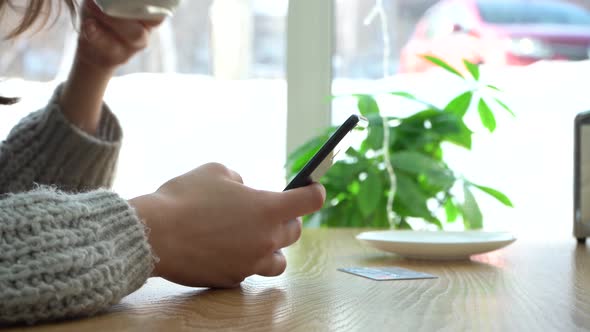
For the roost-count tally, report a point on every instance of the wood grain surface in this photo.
(528, 286)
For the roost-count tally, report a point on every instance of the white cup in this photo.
(138, 9)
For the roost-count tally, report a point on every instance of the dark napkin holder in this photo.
(582, 176)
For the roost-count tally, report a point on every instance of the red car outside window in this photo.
(499, 32)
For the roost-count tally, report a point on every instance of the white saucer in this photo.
(436, 245)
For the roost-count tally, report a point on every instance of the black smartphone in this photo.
(319, 164)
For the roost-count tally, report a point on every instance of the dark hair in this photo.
(33, 11)
(8, 101)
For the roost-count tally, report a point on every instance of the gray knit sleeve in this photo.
(64, 255)
(45, 148)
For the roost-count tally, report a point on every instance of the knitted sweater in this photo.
(67, 247)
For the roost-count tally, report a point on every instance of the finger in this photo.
(132, 33)
(273, 265)
(290, 232)
(298, 202)
(93, 37)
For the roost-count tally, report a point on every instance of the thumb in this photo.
(301, 201)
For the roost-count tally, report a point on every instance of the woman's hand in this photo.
(107, 42)
(104, 44)
(210, 230)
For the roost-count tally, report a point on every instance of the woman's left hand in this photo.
(104, 44)
(107, 42)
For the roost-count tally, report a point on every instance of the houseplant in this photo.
(398, 173)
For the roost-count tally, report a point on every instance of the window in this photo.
(210, 87)
(529, 157)
(440, 23)
(187, 101)
(541, 12)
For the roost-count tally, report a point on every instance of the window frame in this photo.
(310, 45)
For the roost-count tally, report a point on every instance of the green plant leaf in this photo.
(472, 217)
(472, 68)
(404, 224)
(460, 105)
(435, 152)
(441, 63)
(417, 132)
(353, 217)
(379, 218)
(405, 95)
(439, 181)
(493, 87)
(416, 163)
(446, 123)
(451, 210)
(374, 139)
(336, 216)
(419, 118)
(502, 198)
(436, 222)
(340, 176)
(298, 158)
(504, 106)
(411, 197)
(370, 192)
(486, 115)
(354, 187)
(367, 105)
(462, 138)
(333, 216)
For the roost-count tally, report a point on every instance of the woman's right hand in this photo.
(210, 230)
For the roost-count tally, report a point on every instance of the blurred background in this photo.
(513, 32)
(212, 86)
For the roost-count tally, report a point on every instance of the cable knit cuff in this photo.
(67, 255)
(45, 148)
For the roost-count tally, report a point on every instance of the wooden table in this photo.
(532, 285)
